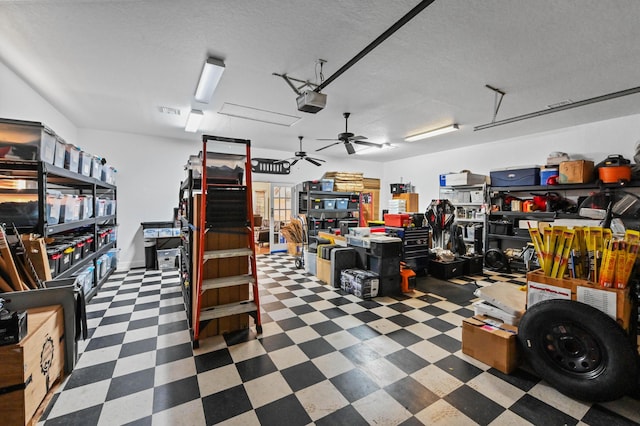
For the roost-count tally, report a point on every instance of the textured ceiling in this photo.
(111, 64)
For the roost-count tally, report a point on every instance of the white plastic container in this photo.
(72, 158)
(85, 163)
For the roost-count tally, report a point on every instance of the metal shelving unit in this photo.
(49, 177)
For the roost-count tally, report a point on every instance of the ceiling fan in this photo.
(302, 155)
(347, 138)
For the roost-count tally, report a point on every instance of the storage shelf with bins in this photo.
(312, 203)
(469, 201)
(40, 178)
(572, 191)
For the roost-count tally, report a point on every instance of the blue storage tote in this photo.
(528, 176)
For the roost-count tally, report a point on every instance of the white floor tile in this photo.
(176, 370)
(127, 409)
(287, 357)
(219, 379)
(266, 389)
(381, 409)
(333, 364)
(441, 413)
(188, 414)
(80, 398)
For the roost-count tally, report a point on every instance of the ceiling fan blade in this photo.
(294, 162)
(312, 161)
(350, 148)
(377, 145)
(330, 145)
(357, 138)
(317, 159)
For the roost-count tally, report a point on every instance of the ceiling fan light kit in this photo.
(209, 79)
(431, 133)
(347, 138)
(302, 155)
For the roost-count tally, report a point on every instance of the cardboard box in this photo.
(578, 171)
(30, 368)
(614, 302)
(491, 342)
(323, 270)
(462, 179)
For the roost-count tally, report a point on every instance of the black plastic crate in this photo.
(446, 270)
(501, 228)
(227, 206)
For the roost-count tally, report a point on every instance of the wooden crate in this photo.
(582, 291)
(31, 367)
(217, 268)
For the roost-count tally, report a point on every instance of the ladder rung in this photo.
(210, 284)
(221, 254)
(221, 311)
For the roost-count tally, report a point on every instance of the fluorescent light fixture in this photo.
(209, 79)
(431, 133)
(375, 149)
(256, 114)
(193, 121)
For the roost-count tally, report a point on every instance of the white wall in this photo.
(594, 141)
(19, 101)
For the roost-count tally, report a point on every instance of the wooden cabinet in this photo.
(411, 199)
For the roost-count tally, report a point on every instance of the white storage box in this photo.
(71, 208)
(84, 164)
(60, 152)
(462, 179)
(96, 167)
(72, 158)
(168, 259)
(54, 204)
(26, 140)
(150, 233)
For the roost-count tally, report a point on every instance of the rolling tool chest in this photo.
(415, 246)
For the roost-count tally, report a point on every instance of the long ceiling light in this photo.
(432, 133)
(193, 121)
(209, 79)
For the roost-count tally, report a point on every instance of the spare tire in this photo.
(578, 350)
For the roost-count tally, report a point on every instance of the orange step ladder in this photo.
(226, 275)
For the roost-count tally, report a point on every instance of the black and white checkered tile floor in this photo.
(323, 358)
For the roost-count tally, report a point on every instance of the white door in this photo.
(280, 215)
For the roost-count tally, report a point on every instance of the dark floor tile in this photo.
(138, 347)
(105, 341)
(311, 298)
(211, 360)
(404, 337)
(142, 323)
(360, 354)
(429, 299)
(88, 416)
(474, 405)
(440, 325)
(407, 361)
(284, 295)
(447, 343)
(285, 411)
(115, 319)
(269, 285)
(519, 378)
(364, 332)
(241, 336)
(275, 342)
(172, 327)
(346, 416)
(302, 309)
(411, 394)
(540, 413)
(273, 306)
(171, 295)
(101, 299)
(225, 405)
(278, 279)
(291, 323)
(367, 316)
(339, 301)
(326, 327)
(433, 310)
(302, 375)
(87, 375)
(145, 306)
(95, 314)
(173, 353)
(411, 421)
(121, 303)
(369, 304)
(458, 368)
(402, 320)
(130, 383)
(332, 313)
(294, 287)
(315, 348)
(401, 307)
(354, 384)
(145, 421)
(147, 293)
(600, 416)
(175, 393)
(464, 312)
(171, 309)
(128, 290)
(321, 288)
(49, 406)
(255, 367)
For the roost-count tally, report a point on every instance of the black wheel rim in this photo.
(574, 350)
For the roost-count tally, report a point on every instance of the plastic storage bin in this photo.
(54, 203)
(26, 140)
(96, 167)
(60, 152)
(54, 254)
(327, 184)
(72, 158)
(329, 203)
(71, 209)
(168, 259)
(342, 203)
(84, 163)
